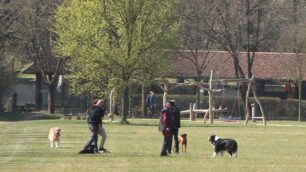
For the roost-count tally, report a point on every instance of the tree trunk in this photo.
(111, 105)
(124, 105)
(246, 103)
(198, 90)
(260, 106)
(1, 105)
(51, 98)
(251, 85)
(238, 71)
(210, 99)
(51, 85)
(143, 105)
(243, 93)
(243, 87)
(38, 96)
(300, 101)
(198, 97)
(165, 94)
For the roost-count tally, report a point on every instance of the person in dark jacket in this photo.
(176, 124)
(166, 126)
(151, 103)
(102, 131)
(94, 120)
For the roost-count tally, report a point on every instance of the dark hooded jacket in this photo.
(95, 115)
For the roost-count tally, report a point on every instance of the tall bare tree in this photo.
(293, 39)
(36, 37)
(241, 25)
(8, 17)
(195, 37)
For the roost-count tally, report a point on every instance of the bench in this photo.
(27, 107)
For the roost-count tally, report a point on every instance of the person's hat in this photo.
(172, 102)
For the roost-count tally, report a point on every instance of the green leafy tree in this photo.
(113, 41)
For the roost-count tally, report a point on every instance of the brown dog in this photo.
(183, 141)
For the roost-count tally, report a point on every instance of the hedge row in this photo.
(274, 108)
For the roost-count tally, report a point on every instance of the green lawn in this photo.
(280, 146)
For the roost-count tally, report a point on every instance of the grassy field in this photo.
(279, 146)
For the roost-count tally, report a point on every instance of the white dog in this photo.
(54, 136)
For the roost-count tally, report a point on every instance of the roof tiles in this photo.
(266, 65)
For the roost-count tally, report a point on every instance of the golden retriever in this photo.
(54, 136)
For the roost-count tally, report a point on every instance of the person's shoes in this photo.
(101, 149)
(96, 151)
(104, 150)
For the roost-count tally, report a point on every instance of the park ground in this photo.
(279, 146)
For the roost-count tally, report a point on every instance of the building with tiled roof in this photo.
(266, 66)
(49, 67)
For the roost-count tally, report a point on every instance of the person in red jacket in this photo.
(165, 126)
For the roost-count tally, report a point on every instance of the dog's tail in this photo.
(235, 149)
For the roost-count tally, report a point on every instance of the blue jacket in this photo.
(151, 100)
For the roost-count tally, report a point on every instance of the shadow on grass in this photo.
(197, 126)
(28, 116)
(150, 122)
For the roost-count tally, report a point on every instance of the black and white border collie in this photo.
(222, 145)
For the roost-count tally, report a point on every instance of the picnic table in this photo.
(27, 107)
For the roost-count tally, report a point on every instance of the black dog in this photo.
(88, 150)
(221, 145)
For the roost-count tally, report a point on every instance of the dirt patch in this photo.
(13, 117)
(3, 123)
(39, 116)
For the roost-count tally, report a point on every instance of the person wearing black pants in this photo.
(165, 126)
(93, 140)
(176, 124)
(94, 121)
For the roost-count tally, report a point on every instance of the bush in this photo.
(274, 108)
